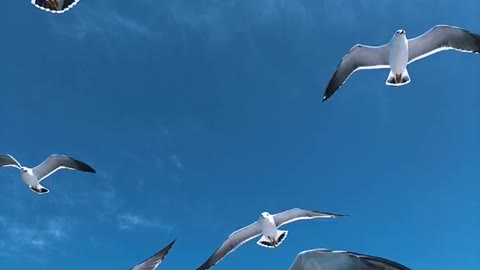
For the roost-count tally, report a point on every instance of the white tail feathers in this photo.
(39, 189)
(398, 79)
(272, 243)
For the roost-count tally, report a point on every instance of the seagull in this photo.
(155, 260)
(266, 226)
(33, 177)
(400, 52)
(323, 259)
(55, 6)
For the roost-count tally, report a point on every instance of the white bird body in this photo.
(398, 58)
(28, 177)
(267, 225)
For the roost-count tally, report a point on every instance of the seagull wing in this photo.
(336, 259)
(235, 240)
(359, 57)
(440, 38)
(378, 262)
(295, 214)
(153, 262)
(56, 162)
(9, 161)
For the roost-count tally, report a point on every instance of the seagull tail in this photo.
(39, 189)
(398, 79)
(272, 243)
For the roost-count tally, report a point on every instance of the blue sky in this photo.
(199, 115)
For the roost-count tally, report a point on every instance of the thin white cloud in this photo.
(38, 243)
(18, 236)
(56, 228)
(178, 163)
(3, 221)
(217, 20)
(104, 21)
(130, 221)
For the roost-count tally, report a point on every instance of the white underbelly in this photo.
(398, 57)
(29, 179)
(268, 229)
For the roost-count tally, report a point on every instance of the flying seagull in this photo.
(55, 6)
(400, 52)
(33, 177)
(266, 226)
(155, 260)
(323, 259)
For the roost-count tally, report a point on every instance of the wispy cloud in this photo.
(56, 228)
(130, 221)
(105, 21)
(178, 163)
(17, 236)
(217, 20)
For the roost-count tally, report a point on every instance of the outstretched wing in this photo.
(9, 161)
(295, 214)
(336, 259)
(153, 262)
(440, 38)
(235, 240)
(359, 57)
(56, 162)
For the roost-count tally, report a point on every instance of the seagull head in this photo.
(23, 169)
(401, 32)
(265, 215)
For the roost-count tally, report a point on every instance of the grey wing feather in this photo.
(9, 161)
(442, 37)
(155, 260)
(359, 57)
(300, 214)
(321, 259)
(57, 162)
(378, 262)
(235, 240)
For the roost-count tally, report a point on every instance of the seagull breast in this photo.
(268, 226)
(28, 177)
(398, 53)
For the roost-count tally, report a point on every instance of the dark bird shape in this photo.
(55, 6)
(154, 261)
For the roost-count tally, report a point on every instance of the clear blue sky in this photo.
(198, 115)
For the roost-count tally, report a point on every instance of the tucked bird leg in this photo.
(398, 78)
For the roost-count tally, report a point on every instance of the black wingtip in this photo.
(84, 167)
(171, 243)
(89, 169)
